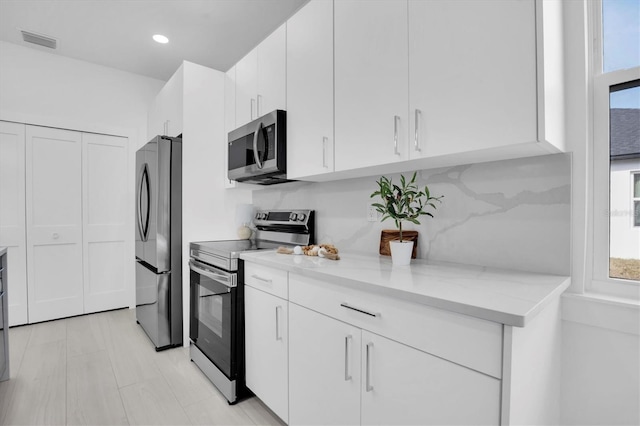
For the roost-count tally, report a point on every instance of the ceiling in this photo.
(117, 33)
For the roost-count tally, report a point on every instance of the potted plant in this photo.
(400, 203)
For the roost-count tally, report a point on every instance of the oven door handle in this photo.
(226, 279)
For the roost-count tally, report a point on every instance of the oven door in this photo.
(213, 315)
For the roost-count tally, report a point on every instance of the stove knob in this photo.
(301, 216)
(258, 215)
(293, 216)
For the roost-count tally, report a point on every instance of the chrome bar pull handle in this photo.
(264, 280)
(369, 386)
(251, 107)
(278, 336)
(347, 357)
(325, 140)
(416, 141)
(258, 105)
(396, 125)
(362, 311)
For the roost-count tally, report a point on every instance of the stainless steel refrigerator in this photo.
(159, 240)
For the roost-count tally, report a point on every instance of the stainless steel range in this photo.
(217, 295)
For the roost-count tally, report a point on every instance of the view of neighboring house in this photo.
(625, 183)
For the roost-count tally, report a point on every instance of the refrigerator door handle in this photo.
(144, 184)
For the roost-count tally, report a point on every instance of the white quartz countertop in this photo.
(499, 295)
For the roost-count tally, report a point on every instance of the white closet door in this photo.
(54, 223)
(12, 217)
(104, 211)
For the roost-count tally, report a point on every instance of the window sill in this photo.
(597, 310)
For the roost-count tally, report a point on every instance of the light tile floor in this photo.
(101, 369)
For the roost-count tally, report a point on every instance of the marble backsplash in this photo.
(511, 214)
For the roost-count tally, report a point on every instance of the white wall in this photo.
(37, 87)
(601, 362)
(624, 237)
(208, 208)
(601, 344)
(513, 214)
(42, 88)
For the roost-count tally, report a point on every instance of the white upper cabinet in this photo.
(246, 88)
(272, 71)
(422, 84)
(371, 83)
(472, 75)
(261, 78)
(310, 90)
(165, 113)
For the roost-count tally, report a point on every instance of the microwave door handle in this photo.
(255, 146)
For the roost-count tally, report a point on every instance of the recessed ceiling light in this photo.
(160, 38)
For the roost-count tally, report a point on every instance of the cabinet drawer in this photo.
(265, 278)
(472, 342)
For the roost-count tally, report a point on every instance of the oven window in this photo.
(212, 320)
(210, 309)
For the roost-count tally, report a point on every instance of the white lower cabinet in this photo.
(369, 379)
(404, 386)
(324, 369)
(267, 349)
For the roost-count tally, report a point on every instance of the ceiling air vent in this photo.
(39, 39)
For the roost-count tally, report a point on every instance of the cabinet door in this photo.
(172, 103)
(472, 70)
(165, 112)
(371, 83)
(246, 88)
(310, 90)
(155, 118)
(324, 369)
(401, 385)
(105, 217)
(272, 72)
(12, 216)
(266, 338)
(54, 223)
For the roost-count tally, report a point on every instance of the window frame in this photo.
(600, 282)
(635, 199)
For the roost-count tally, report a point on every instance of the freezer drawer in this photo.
(153, 304)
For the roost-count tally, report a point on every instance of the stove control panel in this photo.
(282, 216)
(288, 226)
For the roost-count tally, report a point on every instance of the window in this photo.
(636, 199)
(616, 147)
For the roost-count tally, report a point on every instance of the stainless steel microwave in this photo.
(257, 151)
